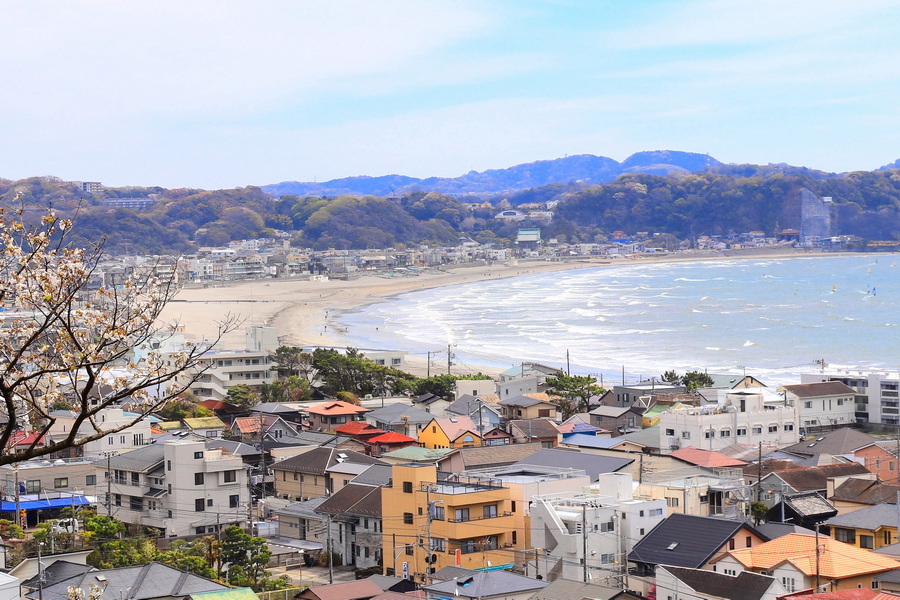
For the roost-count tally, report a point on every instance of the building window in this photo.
(789, 584)
(438, 545)
(725, 433)
(773, 428)
(90, 480)
(867, 541)
(438, 513)
(670, 432)
(788, 426)
(748, 542)
(61, 482)
(757, 429)
(168, 465)
(408, 518)
(731, 544)
(887, 537)
(198, 478)
(200, 505)
(685, 435)
(607, 559)
(234, 500)
(741, 431)
(462, 515)
(490, 511)
(230, 476)
(209, 502)
(198, 454)
(410, 550)
(407, 487)
(845, 535)
(807, 404)
(672, 502)
(657, 512)
(136, 503)
(33, 486)
(118, 499)
(607, 527)
(709, 433)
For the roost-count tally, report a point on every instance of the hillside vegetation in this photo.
(720, 200)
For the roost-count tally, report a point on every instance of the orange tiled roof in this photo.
(392, 437)
(706, 458)
(337, 407)
(837, 560)
(358, 428)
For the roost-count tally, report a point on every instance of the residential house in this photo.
(592, 465)
(734, 382)
(300, 521)
(791, 559)
(354, 513)
(838, 442)
(486, 585)
(542, 431)
(261, 425)
(876, 392)
(306, 476)
(450, 432)
(644, 391)
(401, 418)
(329, 415)
(616, 419)
(416, 454)
(178, 487)
(867, 528)
(527, 407)
(807, 509)
(498, 437)
(291, 412)
(359, 430)
(153, 581)
(209, 427)
(777, 484)
(432, 404)
(678, 583)
(822, 405)
(697, 491)
(362, 589)
(706, 458)
(880, 458)
(466, 515)
(486, 457)
(854, 494)
(475, 387)
(109, 418)
(614, 521)
(738, 416)
(566, 589)
(486, 416)
(388, 442)
(692, 542)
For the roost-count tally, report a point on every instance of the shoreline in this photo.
(306, 313)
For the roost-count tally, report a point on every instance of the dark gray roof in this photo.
(234, 447)
(776, 530)
(304, 510)
(353, 500)
(744, 586)
(533, 429)
(810, 504)
(154, 580)
(523, 401)
(391, 414)
(448, 573)
(317, 460)
(374, 475)
(385, 582)
(871, 517)
(839, 441)
(685, 540)
(648, 436)
(57, 571)
(497, 456)
(468, 404)
(309, 438)
(892, 576)
(566, 589)
(592, 464)
(139, 459)
(485, 584)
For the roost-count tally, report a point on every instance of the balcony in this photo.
(481, 518)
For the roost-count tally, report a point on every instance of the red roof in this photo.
(392, 437)
(20, 438)
(358, 428)
(706, 458)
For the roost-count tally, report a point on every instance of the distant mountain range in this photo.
(585, 168)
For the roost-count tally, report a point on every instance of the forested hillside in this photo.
(723, 199)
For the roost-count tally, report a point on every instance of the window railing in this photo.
(480, 518)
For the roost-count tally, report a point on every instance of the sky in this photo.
(229, 93)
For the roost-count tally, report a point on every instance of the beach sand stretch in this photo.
(305, 313)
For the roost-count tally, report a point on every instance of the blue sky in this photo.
(229, 93)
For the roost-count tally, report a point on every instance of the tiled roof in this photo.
(153, 580)
(820, 388)
(591, 464)
(706, 458)
(815, 478)
(454, 427)
(317, 460)
(393, 413)
(358, 428)
(685, 540)
(566, 589)
(865, 491)
(522, 401)
(419, 454)
(486, 584)
(353, 499)
(744, 586)
(540, 428)
(497, 456)
(837, 560)
(849, 594)
(810, 504)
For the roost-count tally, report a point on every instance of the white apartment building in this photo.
(179, 487)
(877, 392)
(227, 368)
(746, 416)
(605, 519)
(133, 436)
(822, 404)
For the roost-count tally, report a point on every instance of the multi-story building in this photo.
(178, 487)
(606, 522)
(823, 404)
(742, 416)
(224, 369)
(135, 435)
(877, 392)
(329, 415)
(431, 522)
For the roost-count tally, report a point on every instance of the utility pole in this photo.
(430, 509)
(428, 371)
(449, 359)
(584, 566)
(330, 552)
(109, 476)
(817, 560)
(568, 369)
(759, 475)
(18, 518)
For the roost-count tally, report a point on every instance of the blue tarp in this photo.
(44, 504)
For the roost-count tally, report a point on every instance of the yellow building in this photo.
(472, 523)
(868, 528)
(449, 432)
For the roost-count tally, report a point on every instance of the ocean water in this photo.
(771, 318)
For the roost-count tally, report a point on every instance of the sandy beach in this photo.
(304, 312)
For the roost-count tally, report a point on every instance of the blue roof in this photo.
(43, 504)
(590, 441)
